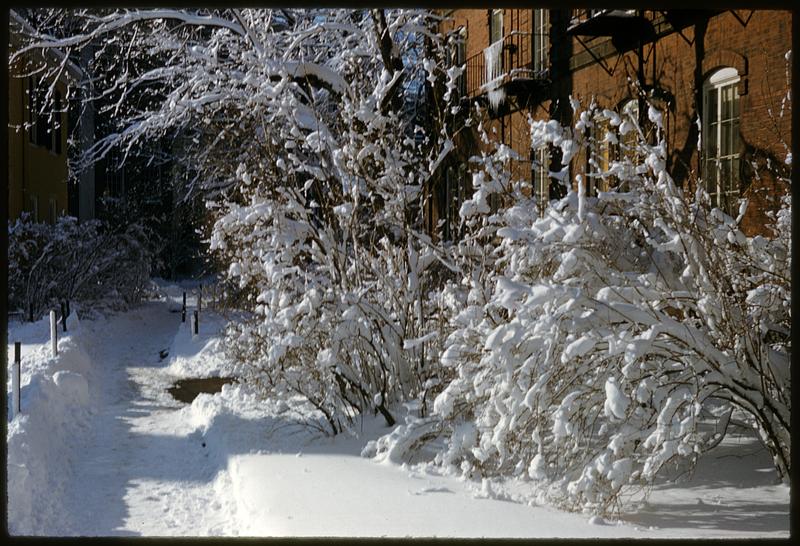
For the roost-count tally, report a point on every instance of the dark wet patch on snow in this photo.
(186, 390)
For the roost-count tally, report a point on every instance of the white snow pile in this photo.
(196, 355)
(55, 403)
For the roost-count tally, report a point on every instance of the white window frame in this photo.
(722, 192)
(541, 41)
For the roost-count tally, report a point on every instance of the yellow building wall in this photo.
(34, 172)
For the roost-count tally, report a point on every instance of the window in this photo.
(720, 138)
(458, 57)
(541, 40)
(115, 175)
(541, 177)
(629, 139)
(34, 207)
(493, 55)
(454, 196)
(496, 26)
(600, 157)
(45, 122)
(52, 211)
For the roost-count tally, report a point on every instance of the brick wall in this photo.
(676, 64)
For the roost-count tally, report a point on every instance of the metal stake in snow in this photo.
(53, 332)
(64, 315)
(15, 374)
(196, 325)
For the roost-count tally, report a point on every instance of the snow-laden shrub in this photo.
(310, 135)
(618, 336)
(324, 229)
(85, 262)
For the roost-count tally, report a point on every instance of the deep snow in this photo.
(102, 449)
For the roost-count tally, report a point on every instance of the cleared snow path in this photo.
(139, 469)
(234, 463)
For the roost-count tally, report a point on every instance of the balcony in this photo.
(626, 27)
(511, 67)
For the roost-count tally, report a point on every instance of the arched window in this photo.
(720, 138)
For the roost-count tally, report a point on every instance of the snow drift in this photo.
(55, 403)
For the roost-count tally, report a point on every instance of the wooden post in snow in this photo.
(64, 315)
(196, 325)
(53, 332)
(200, 298)
(15, 375)
(183, 309)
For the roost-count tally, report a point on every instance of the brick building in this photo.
(722, 75)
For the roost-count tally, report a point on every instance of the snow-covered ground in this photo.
(103, 449)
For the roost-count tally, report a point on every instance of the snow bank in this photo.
(200, 355)
(55, 404)
(286, 479)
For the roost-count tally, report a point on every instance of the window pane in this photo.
(727, 102)
(497, 25)
(711, 106)
(735, 136)
(725, 175)
(735, 98)
(711, 141)
(725, 148)
(711, 176)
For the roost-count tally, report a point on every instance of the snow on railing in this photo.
(515, 57)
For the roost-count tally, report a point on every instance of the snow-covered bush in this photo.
(325, 230)
(615, 337)
(84, 262)
(302, 130)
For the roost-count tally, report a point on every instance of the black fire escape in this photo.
(513, 67)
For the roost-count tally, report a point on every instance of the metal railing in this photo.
(583, 15)
(509, 59)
